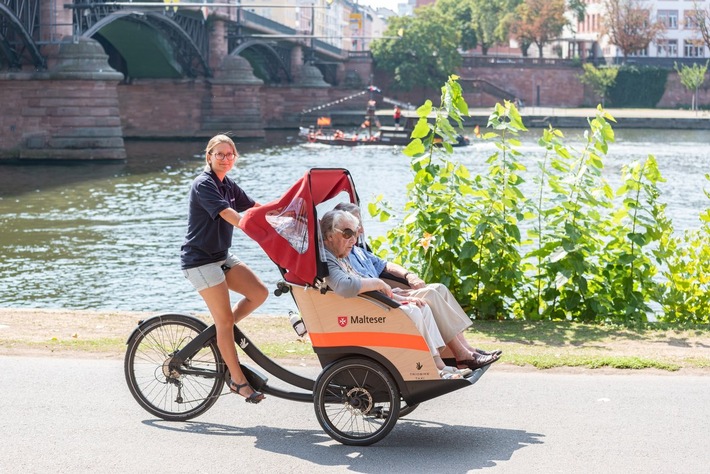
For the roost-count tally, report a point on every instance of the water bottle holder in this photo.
(300, 328)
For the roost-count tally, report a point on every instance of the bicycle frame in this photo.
(256, 379)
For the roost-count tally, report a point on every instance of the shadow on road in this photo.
(413, 444)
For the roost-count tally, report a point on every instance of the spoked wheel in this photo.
(164, 391)
(356, 401)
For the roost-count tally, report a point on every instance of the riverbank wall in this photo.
(82, 109)
(562, 118)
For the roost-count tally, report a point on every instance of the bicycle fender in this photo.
(145, 322)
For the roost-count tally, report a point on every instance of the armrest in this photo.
(394, 280)
(384, 299)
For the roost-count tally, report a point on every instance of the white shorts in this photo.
(212, 274)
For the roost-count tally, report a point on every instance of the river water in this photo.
(107, 236)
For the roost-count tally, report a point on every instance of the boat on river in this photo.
(368, 135)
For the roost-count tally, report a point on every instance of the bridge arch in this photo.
(162, 50)
(16, 42)
(266, 60)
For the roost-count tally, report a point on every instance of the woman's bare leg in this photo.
(462, 340)
(461, 351)
(242, 280)
(217, 299)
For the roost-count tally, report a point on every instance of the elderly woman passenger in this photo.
(339, 230)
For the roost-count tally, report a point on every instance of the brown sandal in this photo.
(477, 361)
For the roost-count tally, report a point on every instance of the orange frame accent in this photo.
(369, 339)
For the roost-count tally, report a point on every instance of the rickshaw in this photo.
(376, 366)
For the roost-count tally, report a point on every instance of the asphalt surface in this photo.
(76, 415)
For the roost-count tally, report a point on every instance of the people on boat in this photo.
(370, 115)
(450, 318)
(397, 116)
(339, 231)
(214, 204)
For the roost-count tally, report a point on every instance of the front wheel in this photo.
(160, 387)
(356, 401)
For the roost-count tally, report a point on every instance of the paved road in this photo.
(71, 415)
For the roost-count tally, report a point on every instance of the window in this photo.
(641, 52)
(693, 49)
(691, 19)
(669, 18)
(667, 48)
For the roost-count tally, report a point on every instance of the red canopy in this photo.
(287, 229)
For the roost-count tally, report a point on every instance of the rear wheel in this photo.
(356, 401)
(163, 390)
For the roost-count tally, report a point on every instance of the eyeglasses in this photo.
(347, 233)
(224, 156)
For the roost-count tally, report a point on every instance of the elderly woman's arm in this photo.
(348, 285)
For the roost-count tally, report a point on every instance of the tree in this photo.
(701, 21)
(488, 22)
(692, 77)
(479, 22)
(579, 8)
(599, 79)
(539, 22)
(461, 14)
(424, 55)
(628, 25)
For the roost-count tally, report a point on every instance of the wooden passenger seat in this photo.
(362, 325)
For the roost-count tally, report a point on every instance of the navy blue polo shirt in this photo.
(208, 235)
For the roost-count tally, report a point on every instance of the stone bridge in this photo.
(76, 77)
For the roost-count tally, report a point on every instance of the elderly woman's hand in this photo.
(386, 289)
(408, 300)
(414, 281)
(417, 301)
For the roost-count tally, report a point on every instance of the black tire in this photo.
(405, 409)
(172, 396)
(356, 401)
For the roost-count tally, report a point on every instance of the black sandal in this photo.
(255, 397)
(497, 352)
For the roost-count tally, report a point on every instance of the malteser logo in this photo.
(345, 320)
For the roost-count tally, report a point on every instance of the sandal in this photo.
(465, 372)
(477, 361)
(496, 352)
(448, 375)
(255, 397)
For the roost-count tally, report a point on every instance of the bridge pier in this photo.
(232, 103)
(67, 102)
(69, 111)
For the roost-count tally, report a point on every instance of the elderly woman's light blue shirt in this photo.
(366, 263)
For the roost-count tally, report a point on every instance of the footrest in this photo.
(256, 379)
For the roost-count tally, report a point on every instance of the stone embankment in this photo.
(564, 118)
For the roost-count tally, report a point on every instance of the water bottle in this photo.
(297, 323)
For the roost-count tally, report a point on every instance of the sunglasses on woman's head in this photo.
(347, 233)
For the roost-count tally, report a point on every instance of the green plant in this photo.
(590, 254)
(599, 79)
(430, 237)
(638, 224)
(567, 251)
(692, 78)
(638, 86)
(687, 286)
(459, 230)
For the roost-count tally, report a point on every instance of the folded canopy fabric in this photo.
(287, 228)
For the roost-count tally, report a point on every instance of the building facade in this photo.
(680, 40)
(344, 23)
